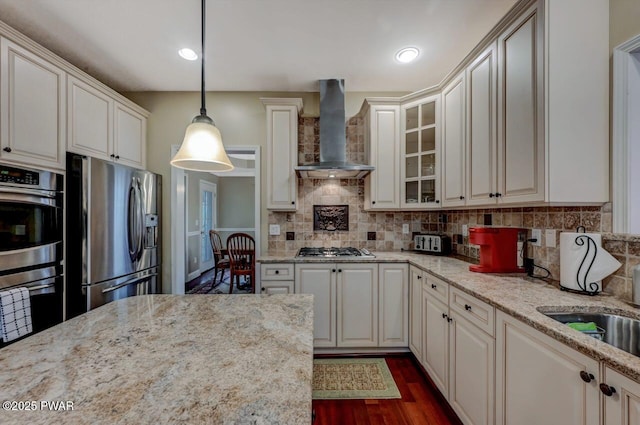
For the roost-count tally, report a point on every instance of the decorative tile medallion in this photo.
(330, 217)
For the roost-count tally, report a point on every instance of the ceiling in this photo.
(258, 45)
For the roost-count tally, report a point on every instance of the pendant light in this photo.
(202, 148)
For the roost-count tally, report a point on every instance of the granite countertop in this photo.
(518, 296)
(179, 359)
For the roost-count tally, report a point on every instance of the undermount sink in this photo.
(620, 331)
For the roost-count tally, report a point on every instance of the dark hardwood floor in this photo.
(421, 403)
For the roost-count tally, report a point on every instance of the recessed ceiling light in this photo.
(188, 54)
(408, 54)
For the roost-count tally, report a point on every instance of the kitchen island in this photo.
(179, 359)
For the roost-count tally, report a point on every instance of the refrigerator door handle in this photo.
(140, 226)
(134, 281)
(132, 221)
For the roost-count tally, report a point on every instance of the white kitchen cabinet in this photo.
(622, 407)
(276, 278)
(101, 127)
(320, 280)
(282, 152)
(553, 117)
(419, 147)
(130, 135)
(435, 339)
(357, 298)
(482, 141)
(471, 358)
(538, 379)
(393, 305)
(453, 143)
(415, 311)
(382, 145)
(32, 108)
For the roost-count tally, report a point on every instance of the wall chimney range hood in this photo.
(333, 141)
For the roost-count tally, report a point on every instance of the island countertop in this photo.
(179, 359)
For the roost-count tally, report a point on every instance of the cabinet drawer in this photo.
(436, 287)
(477, 312)
(276, 271)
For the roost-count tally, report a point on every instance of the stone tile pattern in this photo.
(388, 225)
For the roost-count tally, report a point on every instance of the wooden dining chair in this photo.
(241, 249)
(220, 263)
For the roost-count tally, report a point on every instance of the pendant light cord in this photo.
(203, 109)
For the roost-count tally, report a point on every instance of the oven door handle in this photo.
(130, 282)
(47, 286)
(28, 196)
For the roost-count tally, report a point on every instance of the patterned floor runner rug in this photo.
(353, 379)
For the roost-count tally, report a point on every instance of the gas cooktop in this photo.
(334, 252)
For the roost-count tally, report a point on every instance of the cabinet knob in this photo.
(113, 155)
(449, 319)
(293, 202)
(419, 277)
(117, 156)
(263, 289)
(437, 201)
(373, 202)
(491, 195)
(444, 315)
(607, 390)
(333, 270)
(461, 197)
(434, 286)
(339, 270)
(586, 376)
(467, 307)
(7, 149)
(277, 271)
(498, 195)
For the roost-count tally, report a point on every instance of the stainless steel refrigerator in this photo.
(113, 233)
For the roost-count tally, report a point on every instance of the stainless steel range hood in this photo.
(333, 141)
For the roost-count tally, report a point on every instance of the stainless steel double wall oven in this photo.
(31, 230)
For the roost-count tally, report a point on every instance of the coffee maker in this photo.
(501, 249)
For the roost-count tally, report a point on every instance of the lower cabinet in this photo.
(415, 311)
(362, 305)
(276, 278)
(435, 334)
(621, 399)
(542, 381)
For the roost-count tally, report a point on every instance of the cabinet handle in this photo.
(444, 315)
(117, 156)
(467, 307)
(498, 195)
(113, 155)
(434, 286)
(449, 319)
(461, 197)
(277, 271)
(607, 390)
(7, 149)
(491, 195)
(586, 376)
(419, 277)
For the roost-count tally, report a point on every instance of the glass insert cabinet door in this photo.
(420, 180)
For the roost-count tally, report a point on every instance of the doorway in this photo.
(246, 159)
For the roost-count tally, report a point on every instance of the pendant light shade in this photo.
(202, 148)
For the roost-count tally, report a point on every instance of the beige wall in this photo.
(241, 118)
(236, 202)
(624, 21)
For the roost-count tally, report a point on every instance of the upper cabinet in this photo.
(382, 144)
(453, 143)
(32, 108)
(99, 126)
(48, 106)
(420, 141)
(282, 152)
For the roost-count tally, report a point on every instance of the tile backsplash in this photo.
(387, 226)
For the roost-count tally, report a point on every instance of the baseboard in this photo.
(359, 352)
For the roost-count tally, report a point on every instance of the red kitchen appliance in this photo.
(499, 249)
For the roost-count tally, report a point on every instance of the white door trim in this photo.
(178, 240)
(624, 126)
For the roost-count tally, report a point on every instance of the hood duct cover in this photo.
(333, 140)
